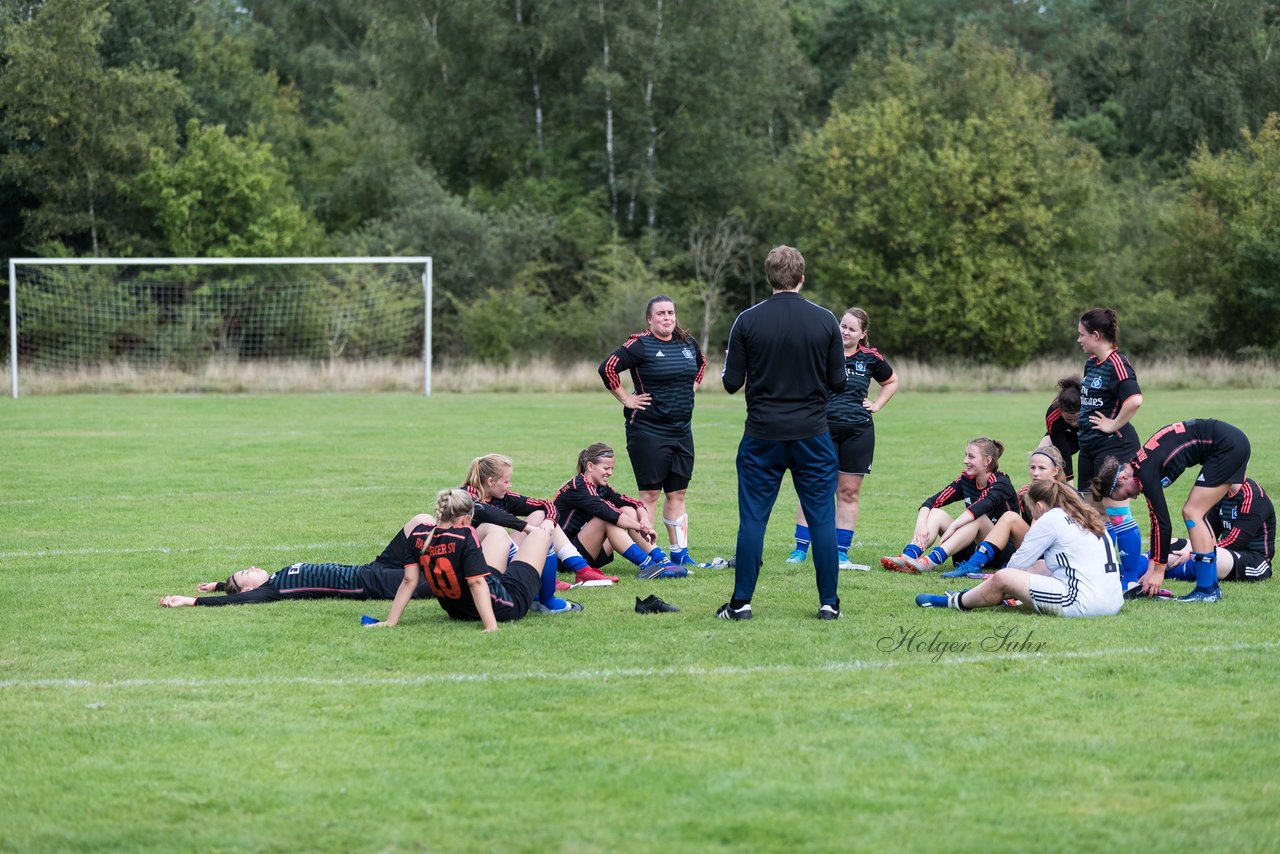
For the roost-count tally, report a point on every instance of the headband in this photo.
(1115, 479)
(1042, 452)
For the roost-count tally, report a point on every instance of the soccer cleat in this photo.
(562, 585)
(829, 612)
(592, 577)
(797, 556)
(654, 605)
(931, 600)
(717, 563)
(842, 559)
(1135, 592)
(560, 606)
(1200, 594)
(902, 563)
(962, 570)
(661, 570)
(728, 612)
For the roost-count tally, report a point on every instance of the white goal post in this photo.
(181, 315)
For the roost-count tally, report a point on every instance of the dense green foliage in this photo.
(972, 173)
(288, 727)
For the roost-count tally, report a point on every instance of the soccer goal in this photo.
(115, 322)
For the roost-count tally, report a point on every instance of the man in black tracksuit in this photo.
(789, 354)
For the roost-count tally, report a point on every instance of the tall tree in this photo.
(81, 130)
(1227, 240)
(941, 197)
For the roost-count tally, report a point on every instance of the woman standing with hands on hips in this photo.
(852, 431)
(1109, 398)
(666, 368)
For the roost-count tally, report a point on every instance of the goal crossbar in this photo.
(15, 263)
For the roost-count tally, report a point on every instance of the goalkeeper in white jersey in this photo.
(1065, 567)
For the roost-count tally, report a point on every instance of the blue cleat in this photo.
(797, 556)
(1200, 594)
(962, 570)
(931, 600)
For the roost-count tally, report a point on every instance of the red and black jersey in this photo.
(667, 371)
(452, 556)
(578, 502)
(1215, 446)
(509, 510)
(1063, 436)
(992, 500)
(1246, 521)
(1107, 385)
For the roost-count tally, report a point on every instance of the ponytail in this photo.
(989, 448)
(593, 454)
(1055, 493)
(1105, 480)
(483, 468)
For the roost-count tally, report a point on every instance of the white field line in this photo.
(914, 658)
(89, 551)
(201, 495)
(303, 548)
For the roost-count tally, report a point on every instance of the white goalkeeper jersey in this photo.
(1084, 562)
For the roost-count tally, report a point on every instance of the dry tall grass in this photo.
(546, 376)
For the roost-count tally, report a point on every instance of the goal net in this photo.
(218, 323)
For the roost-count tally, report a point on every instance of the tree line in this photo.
(973, 173)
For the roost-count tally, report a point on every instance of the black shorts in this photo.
(1229, 459)
(855, 446)
(1248, 566)
(517, 590)
(1123, 446)
(660, 463)
(596, 560)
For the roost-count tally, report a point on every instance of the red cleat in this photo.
(591, 574)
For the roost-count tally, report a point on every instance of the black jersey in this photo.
(509, 510)
(1107, 385)
(452, 556)
(860, 368)
(1063, 436)
(789, 354)
(322, 581)
(1246, 521)
(1164, 457)
(666, 371)
(992, 500)
(578, 502)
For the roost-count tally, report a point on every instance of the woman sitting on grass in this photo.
(1006, 535)
(987, 492)
(600, 520)
(470, 580)
(1066, 566)
(489, 483)
(377, 580)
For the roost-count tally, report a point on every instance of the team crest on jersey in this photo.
(1097, 382)
(1164, 482)
(860, 367)
(688, 354)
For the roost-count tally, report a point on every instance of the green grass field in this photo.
(289, 727)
